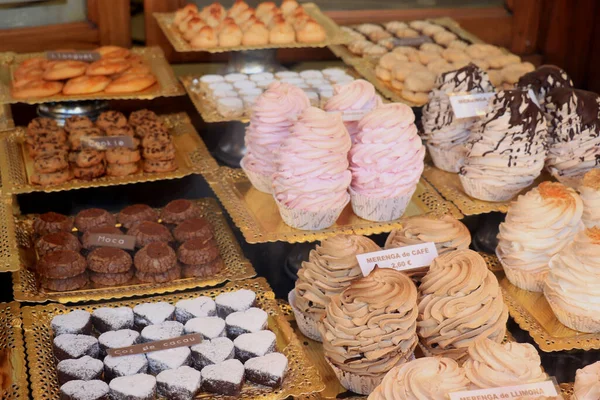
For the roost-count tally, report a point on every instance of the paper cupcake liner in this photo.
(261, 182)
(579, 323)
(377, 208)
(477, 190)
(307, 325)
(531, 281)
(309, 220)
(448, 159)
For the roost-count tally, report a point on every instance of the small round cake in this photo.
(178, 211)
(136, 213)
(147, 232)
(52, 222)
(57, 241)
(587, 382)
(193, 228)
(109, 260)
(93, 217)
(155, 258)
(198, 251)
(61, 264)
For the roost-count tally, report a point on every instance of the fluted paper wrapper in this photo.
(306, 324)
(261, 182)
(379, 209)
(448, 159)
(481, 191)
(526, 280)
(579, 323)
(309, 220)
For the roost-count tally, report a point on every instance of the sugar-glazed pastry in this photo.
(273, 114)
(311, 181)
(460, 302)
(589, 190)
(430, 378)
(573, 134)
(370, 328)
(355, 96)
(330, 268)
(492, 364)
(446, 136)
(506, 149)
(572, 286)
(543, 80)
(386, 161)
(537, 226)
(587, 382)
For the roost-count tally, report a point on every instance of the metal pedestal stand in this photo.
(61, 111)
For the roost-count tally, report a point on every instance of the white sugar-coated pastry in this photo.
(213, 87)
(286, 74)
(230, 107)
(330, 72)
(235, 77)
(587, 382)
(311, 74)
(313, 97)
(316, 82)
(239, 85)
(296, 81)
(572, 286)
(249, 101)
(261, 76)
(208, 79)
(537, 226)
(224, 93)
(264, 84)
(342, 79)
(251, 92)
(590, 195)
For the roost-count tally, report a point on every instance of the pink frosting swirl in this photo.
(273, 114)
(356, 95)
(312, 165)
(386, 159)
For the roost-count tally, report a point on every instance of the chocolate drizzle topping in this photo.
(544, 79)
(572, 112)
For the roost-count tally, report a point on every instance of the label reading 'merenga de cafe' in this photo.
(526, 391)
(400, 259)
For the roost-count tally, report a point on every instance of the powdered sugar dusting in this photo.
(273, 364)
(252, 320)
(209, 327)
(72, 322)
(120, 338)
(162, 331)
(239, 300)
(170, 358)
(126, 365)
(85, 390)
(186, 378)
(216, 350)
(75, 345)
(116, 318)
(140, 385)
(155, 313)
(198, 307)
(227, 371)
(258, 343)
(84, 368)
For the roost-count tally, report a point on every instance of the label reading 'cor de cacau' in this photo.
(181, 341)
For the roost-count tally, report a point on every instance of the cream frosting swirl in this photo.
(507, 147)
(273, 114)
(459, 302)
(329, 270)
(371, 326)
(358, 95)
(538, 225)
(312, 165)
(587, 382)
(386, 158)
(573, 279)
(590, 195)
(430, 378)
(491, 364)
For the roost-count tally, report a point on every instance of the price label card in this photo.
(126, 242)
(412, 42)
(107, 142)
(400, 259)
(181, 341)
(526, 391)
(470, 105)
(88, 56)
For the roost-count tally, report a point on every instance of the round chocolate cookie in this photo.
(77, 122)
(65, 285)
(107, 229)
(111, 118)
(155, 258)
(57, 241)
(109, 260)
(135, 214)
(150, 128)
(202, 270)
(89, 173)
(197, 251)
(61, 264)
(167, 276)
(76, 137)
(147, 232)
(93, 217)
(41, 124)
(178, 211)
(193, 228)
(52, 222)
(141, 116)
(115, 279)
(120, 131)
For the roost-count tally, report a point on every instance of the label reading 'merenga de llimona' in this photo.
(526, 391)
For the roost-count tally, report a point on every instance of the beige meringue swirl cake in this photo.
(590, 195)
(587, 382)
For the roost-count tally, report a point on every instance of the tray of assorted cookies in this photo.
(108, 72)
(97, 255)
(113, 150)
(217, 29)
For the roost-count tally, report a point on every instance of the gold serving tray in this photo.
(9, 252)
(166, 85)
(302, 378)
(191, 154)
(237, 267)
(257, 215)
(6, 119)
(449, 186)
(334, 34)
(13, 372)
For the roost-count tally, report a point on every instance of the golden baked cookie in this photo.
(398, 85)
(48, 163)
(122, 169)
(27, 73)
(440, 66)
(230, 36)
(37, 88)
(358, 46)
(481, 63)
(107, 66)
(402, 70)
(444, 38)
(432, 29)
(374, 50)
(310, 32)
(206, 38)
(431, 47)
(122, 155)
(425, 57)
(54, 178)
(389, 60)
(282, 33)
(458, 44)
(36, 62)
(376, 36)
(419, 24)
(86, 85)
(77, 136)
(86, 157)
(415, 97)
(64, 70)
(511, 73)
(256, 35)
(420, 81)
(407, 51)
(113, 52)
(383, 73)
(160, 166)
(501, 61)
(495, 77)
(455, 55)
(192, 27)
(131, 83)
(89, 173)
(407, 33)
